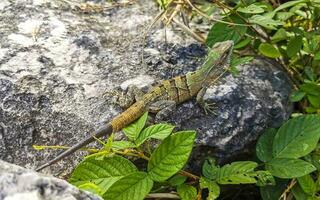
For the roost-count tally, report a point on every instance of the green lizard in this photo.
(167, 93)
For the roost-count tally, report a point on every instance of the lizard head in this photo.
(218, 59)
(223, 50)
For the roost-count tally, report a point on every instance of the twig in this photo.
(188, 174)
(189, 31)
(290, 186)
(162, 196)
(200, 12)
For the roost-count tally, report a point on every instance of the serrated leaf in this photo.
(280, 35)
(133, 130)
(297, 137)
(297, 96)
(294, 46)
(269, 50)
(237, 173)
(103, 172)
(251, 9)
(209, 169)
(157, 131)
(122, 145)
(213, 188)
(171, 155)
(134, 187)
(187, 192)
(265, 21)
(177, 180)
(264, 178)
(220, 32)
(307, 184)
(264, 145)
(289, 167)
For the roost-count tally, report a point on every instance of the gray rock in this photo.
(17, 183)
(58, 66)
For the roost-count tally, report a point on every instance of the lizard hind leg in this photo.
(127, 97)
(163, 109)
(207, 107)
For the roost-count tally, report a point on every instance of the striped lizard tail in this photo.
(119, 122)
(105, 130)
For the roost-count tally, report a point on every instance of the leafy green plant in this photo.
(288, 153)
(287, 32)
(110, 174)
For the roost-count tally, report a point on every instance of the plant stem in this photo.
(162, 196)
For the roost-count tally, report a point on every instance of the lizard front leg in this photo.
(163, 108)
(207, 107)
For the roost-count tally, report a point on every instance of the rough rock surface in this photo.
(58, 65)
(19, 183)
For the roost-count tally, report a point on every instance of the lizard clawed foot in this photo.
(209, 108)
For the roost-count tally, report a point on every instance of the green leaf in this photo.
(309, 73)
(307, 184)
(242, 43)
(171, 155)
(280, 35)
(237, 173)
(134, 187)
(91, 187)
(213, 188)
(107, 146)
(122, 145)
(264, 145)
(289, 4)
(209, 169)
(269, 50)
(187, 192)
(289, 167)
(273, 192)
(317, 56)
(133, 130)
(294, 46)
(264, 21)
(283, 16)
(221, 32)
(157, 131)
(314, 100)
(164, 3)
(297, 96)
(102, 172)
(310, 88)
(298, 193)
(251, 9)
(241, 60)
(264, 178)
(297, 137)
(177, 180)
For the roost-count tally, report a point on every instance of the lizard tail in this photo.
(105, 130)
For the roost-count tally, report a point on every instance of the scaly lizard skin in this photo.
(170, 92)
